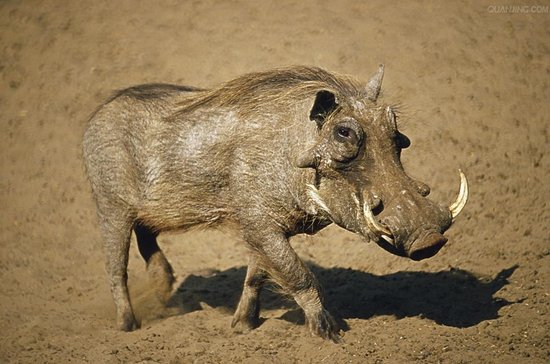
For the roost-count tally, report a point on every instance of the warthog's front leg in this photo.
(275, 256)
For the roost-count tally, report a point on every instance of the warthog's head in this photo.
(361, 184)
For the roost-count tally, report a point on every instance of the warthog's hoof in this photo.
(128, 323)
(323, 324)
(247, 319)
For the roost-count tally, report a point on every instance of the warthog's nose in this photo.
(427, 245)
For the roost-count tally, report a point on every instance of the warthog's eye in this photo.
(347, 138)
(344, 134)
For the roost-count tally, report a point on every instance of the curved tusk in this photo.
(460, 202)
(373, 225)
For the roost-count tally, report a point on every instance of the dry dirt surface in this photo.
(472, 80)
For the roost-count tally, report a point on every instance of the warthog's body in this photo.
(275, 154)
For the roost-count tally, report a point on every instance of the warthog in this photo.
(275, 154)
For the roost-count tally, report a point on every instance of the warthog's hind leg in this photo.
(248, 310)
(116, 225)
(160, 272)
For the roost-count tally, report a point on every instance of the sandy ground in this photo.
(473, 83)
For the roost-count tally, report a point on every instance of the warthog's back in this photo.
(181, 156)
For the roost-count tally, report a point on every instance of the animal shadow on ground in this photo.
(453, 297)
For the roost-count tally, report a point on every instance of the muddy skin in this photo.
(275, 154)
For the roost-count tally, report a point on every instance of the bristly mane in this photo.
(255, 89)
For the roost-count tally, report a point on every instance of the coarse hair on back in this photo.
(252, 90)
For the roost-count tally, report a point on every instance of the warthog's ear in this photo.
(325, 103)
(374, 84)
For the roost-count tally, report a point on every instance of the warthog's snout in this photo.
(412, 225)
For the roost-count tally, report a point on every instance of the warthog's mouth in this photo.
(422, 244)
(426, 245)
